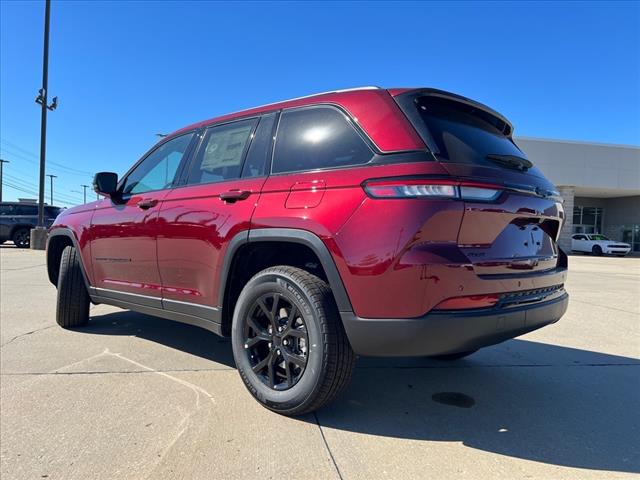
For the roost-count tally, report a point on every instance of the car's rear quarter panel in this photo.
(377, 245)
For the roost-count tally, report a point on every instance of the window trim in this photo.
(185, 157)
(365, 138)
(270, 148)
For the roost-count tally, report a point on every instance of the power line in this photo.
(31, 154)
(32, 190)
(27, 184)
(64, 168)
(32, 193)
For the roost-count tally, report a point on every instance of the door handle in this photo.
(231, 196)
(147, 203)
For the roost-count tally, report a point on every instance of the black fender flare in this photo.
(294, 235)
(66, 232)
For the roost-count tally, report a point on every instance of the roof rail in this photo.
(317, 94)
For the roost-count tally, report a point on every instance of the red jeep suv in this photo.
(400, 222)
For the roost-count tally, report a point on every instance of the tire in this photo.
(312, 335)
(73, 298)
(449, 357)
(597, 250)
(20, 237)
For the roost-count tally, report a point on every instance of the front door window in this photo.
(158, 170)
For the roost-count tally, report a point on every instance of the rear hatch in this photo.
(513, 230)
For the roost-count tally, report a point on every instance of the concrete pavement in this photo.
(132, 396)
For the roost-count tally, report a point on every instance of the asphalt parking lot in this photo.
(132, 396)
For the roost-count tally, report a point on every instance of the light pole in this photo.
(2, 162)
(84, 192)
(39, 234)
(51, 192)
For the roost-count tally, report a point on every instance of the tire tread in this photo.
(73, 299)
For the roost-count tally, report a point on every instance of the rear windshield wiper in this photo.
(511, 161)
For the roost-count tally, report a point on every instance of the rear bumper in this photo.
(448, 332)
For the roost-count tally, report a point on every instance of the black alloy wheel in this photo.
(276, 341)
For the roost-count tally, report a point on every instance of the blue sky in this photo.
(125, 70)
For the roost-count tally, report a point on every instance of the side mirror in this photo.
(105, 183)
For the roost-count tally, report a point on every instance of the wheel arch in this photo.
(279, 236)
(57, 241)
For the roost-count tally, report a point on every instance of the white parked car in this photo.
(598, 244)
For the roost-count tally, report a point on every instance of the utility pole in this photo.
(84, 192)
(2, 162)
(39, 234)
(51, 192)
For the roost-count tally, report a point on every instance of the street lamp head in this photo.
(40, 97)
(54, 104)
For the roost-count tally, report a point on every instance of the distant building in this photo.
(600, 184)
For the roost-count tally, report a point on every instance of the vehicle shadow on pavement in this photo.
(528, 400)
(179, 336)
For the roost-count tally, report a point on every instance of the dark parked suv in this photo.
(401, 222)
(18, 218)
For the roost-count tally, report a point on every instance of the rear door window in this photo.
(222, 152)
(313, 138)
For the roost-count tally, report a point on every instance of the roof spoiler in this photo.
(412, 94)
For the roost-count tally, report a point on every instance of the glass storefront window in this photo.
(631, 235)
(587, 219)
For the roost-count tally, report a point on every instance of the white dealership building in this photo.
(600, 184)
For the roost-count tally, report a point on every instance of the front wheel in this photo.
(288, 341)
(597, 250)
(73, 298)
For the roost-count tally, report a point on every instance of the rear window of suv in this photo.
(462, 133)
